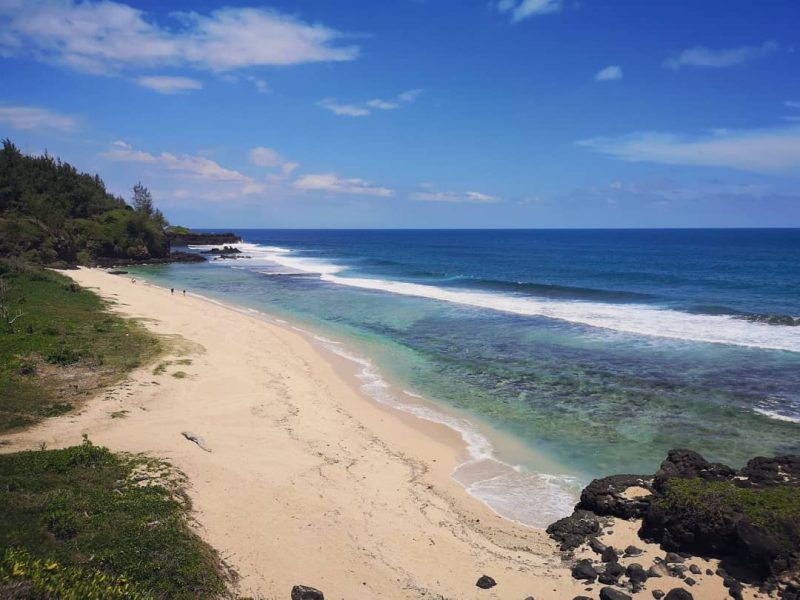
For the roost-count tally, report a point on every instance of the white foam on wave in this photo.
(634, 319)
(776, 415)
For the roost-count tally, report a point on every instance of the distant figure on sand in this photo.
(171, 290)
(184, 292)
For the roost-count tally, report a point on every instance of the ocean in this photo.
(559, 355)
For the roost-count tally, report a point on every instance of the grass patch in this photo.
(183, 361)
(179, 375)
(768, 507)
(83, 522)
(119, 414)
(64, 348)
(161, 368)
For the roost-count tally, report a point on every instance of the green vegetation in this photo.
(83, 522)
(64, 347)
(770, 507)
(52, 214)
(179, 375)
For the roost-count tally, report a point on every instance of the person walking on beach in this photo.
(184, 292)
(172, 291)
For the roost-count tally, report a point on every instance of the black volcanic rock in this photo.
(196, 238)
(609, 593)
(583, 569)
(678, 594)
(304, 592)
(485, 582)
(748, 518)
(606, 496)
(572, 531)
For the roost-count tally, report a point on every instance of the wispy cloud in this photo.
(701, 57)
(170, 85)
(109, 37)
(522, 9)
(774, 150)
(609, 73)
(350, 110)
(194, 166)
(34, 117)
(366, 108)
(271, 159)
(430, 194)
(329, 182)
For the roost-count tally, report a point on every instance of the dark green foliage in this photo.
(103, 520)
(50, 213)
(65, 347)
(769, 507)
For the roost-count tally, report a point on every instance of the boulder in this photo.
(633, 551)
(572, 531)
(583, 569)
(485, 582)
(609, 593)
(678, 594)
(610, 554)
(606, 496)
(304, 592)
(658, 594)
(636, 573)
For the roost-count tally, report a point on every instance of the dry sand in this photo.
(307, 480)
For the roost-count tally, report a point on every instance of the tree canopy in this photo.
(50, 212)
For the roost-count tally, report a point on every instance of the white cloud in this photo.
(329, 182)
(269, 158)
(33, 117)
(259, 84)
(169, 85)
(362, 110)
(761, 150)
(109, 37)
(349, 110)
(792, 104)
(610, 73)
(195, 166)
(430, 194)
(716, 59)
(522, 9)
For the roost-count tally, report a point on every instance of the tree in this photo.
(5, 310)
(143, 200)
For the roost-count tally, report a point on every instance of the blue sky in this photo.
(418, 113)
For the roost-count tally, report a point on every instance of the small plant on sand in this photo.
(179, 375)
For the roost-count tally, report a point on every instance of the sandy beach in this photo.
(307, 480)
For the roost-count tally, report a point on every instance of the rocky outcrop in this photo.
(750, 518)
(607, 496)
(223, 250)
(173, 257)
(195, 238)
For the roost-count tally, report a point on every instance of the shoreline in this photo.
(329, 489)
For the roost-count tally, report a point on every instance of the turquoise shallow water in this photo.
(598, 351)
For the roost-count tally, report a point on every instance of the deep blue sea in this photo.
(560, 355)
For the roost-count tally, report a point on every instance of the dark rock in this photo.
(658, 570)
(581, 598)
(610, 554)
(658, 594)
(672, 558)
(636, 573)
(304, 592)
(689, 581)
(769, 472)
(596, 545)
(194, 238)
(709, 572)
(606, 496)
(687, 464)
(117, 272)
(485, 582)
(678, 594)
(632, 551)
(607, 578)
(609, 593)
(223, 250)
(583, 569)
(615, 569)
(571, 532)
(695, 569)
